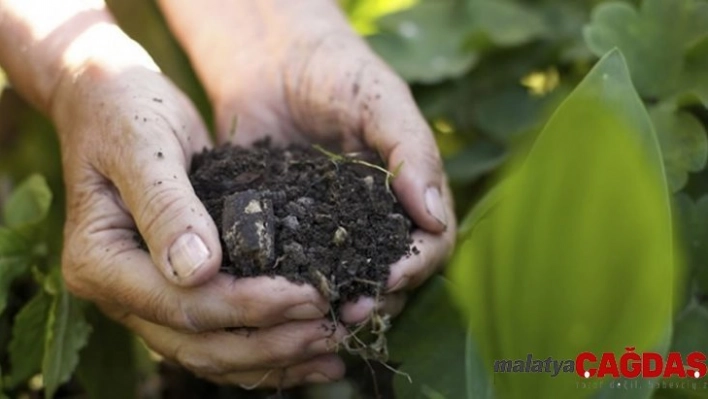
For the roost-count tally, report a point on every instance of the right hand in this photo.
(127, 136)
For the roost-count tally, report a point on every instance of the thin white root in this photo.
(257, 384)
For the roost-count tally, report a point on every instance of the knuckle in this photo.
(250, 315)
(426, 156)
(245, 310)
(71, 273)
(285, 350)
(195, 362)
(160, 308)
(184, 318)
(273, 354)
(74, 264)
(163, 203)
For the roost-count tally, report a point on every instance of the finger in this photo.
(358, 311)
(102, 262)
(323, 369)
(432, 252)
(393, 125)
(222, 302)
(221, 352)
(147, 162)
(394, 303)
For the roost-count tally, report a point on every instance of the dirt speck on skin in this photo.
(297, 213)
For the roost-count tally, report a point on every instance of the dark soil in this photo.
(304, 214)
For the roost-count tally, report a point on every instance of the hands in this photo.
(297, 72)
(294, 69)
(127, 136)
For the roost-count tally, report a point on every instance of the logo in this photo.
(629, 365)
(646, 365)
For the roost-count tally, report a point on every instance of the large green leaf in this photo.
(28, 331)
(108, 368)
(654, 39)
(577, 254)
(428, 342)
(14, 261)
(66, 334)
(29, 203)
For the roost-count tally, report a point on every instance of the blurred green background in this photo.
(488, 75)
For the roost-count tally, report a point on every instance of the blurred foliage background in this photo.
(488, 75)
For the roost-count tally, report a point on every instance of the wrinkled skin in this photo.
(292, 70)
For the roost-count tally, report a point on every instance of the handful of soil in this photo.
(305, 214)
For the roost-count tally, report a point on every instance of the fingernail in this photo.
(317, 378)
(188, 254)
(400, 284)
(434, 203)
(305, 311)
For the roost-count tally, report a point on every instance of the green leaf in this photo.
(506, 23)
(14, 261)
(694, 80)
(683, 142)
(426, 43)
(28, 330)
(654, 39)
(438, 364)
(479, 385)
(438, 40)
(689, 336)
(108, 371)
(689, 331)
(693, 221)
(474, 161)
(29, 203)
(577, 254)
(494, 115)
(66, 334)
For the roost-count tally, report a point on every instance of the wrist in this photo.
(101, 54)
(248, 38)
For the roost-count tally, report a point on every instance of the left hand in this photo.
(296, 71)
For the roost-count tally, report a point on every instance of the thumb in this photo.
(151, 177)
(393, 125)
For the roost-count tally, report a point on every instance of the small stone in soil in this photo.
(248, 228)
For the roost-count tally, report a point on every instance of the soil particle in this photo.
(301, 214)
